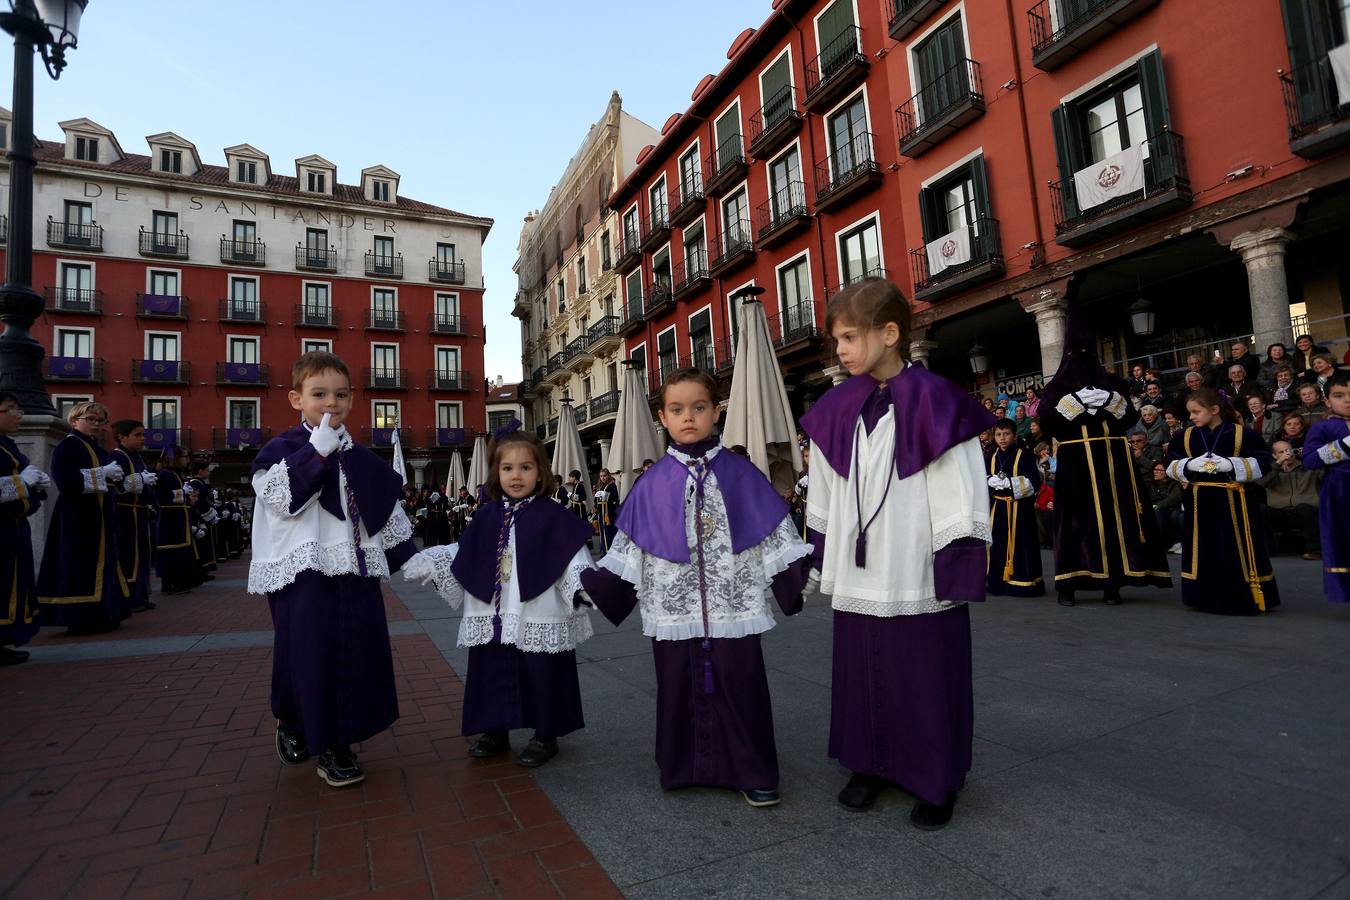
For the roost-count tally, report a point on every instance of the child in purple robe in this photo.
(517, 571)
(22, 490)
(1328, 448)
(1015, 554)
(327, 526)
(133, 511)
(899, 519)
(176, 561)
(704, 545)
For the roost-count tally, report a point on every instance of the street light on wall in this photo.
(1142, 317)
(50, 27)
(979, 360)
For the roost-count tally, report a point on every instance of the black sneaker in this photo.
(291, 746)
(761, 799)
(930, 817)
(10, 657)
(537, 752)
(339, 768)
(860, 792)
(490, 744)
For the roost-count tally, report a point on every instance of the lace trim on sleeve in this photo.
(529, 637)
(1117, 406)
(625, 560)
(397, 530)
(886, 610)
(276, 489)
(95, 481)
(442, 579)
(782, 548)
(977, 528)
(817, 521)
(1070, 407)
(1331, 453)
(12, 489)
(570, 582)
(269, 576)
(1245, 468)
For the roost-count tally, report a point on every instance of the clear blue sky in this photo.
(477, 105)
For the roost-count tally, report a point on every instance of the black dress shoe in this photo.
(929, 817)
(860, 792)
(490, 744)
(1065, 598)
(10, 657)
(339, 768)
(761, 799)
(1112, 597)
(537, 752)
(291, 746)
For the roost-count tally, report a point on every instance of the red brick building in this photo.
(179, 293)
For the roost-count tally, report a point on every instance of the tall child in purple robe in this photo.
(1015, 552)
(327, 526)
(22, 490)
(899, 519)
(517, 571)
(1328, 448)
(176, 561)
(704, 546)
(133, 511)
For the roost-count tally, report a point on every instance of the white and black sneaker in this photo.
(339, 768)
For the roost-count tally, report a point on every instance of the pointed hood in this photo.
(1080, 367)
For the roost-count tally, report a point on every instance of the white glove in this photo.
(435, 497)
(210, 517)
(32, 476)
(1345, 443)
(601, 495)
(1093, 398)
(1202, 464)
(236, 517)
(199, 533)
(325, 438)
(150, 479)
(1222, 463)
(419, 568)
(998, 482)
(113, 472)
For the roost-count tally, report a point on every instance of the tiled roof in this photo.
(285, 185)
(505, 393)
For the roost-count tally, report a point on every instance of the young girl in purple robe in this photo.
(899, 519)
(134, 540)
(1328, 448)
(704, 545)
(327, 526)
(517, 571)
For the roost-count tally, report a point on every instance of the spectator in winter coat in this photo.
(1291, 501)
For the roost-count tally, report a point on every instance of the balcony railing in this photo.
(312, 316)
(776, 121)
(783, 214)
(629, 250)
(4, 229)
(553, 427)
(731, 248)
(242, 373)
(795, 323)
(161, 244)
(315, 259)
(690, 273)
(602, 331)
(1319, 118)
(833, 72)
(657, 298)
(554, 364)
(385, 320)
(703, 357)
(688, 199)
(236, 438)
(851, 170)
(161, 306)
(949, 268)
(446, 323)
(854, 278)
(633, 315)
(656, 227)
(948, 102)
(449, 380)
(445, 271)
(577, 350)
(581, 412)
(74, 368)
(1061, 29)
(157, 437)
(88, 301)
(384, 437)
(243, 253)
(726, 353)
(727, 166)
(907, 15)
(248, 312)
(604, 405)
(74, 236)
(382, 379)
(449, 437)
(1166, 188)
(160, 371)
(379, 265)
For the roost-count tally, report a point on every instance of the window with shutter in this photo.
(835, 36)
(775, 91)
(728, 130)
(937, 61)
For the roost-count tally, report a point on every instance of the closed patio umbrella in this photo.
(455, 479)
(758, 416)
(634, 431)
(478, 466)
(567, 452)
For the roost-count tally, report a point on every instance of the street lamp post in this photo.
(51, 27)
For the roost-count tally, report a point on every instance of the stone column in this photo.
(604, 453)
(1051, 313)
(37, 439)
(1263, 253)
(419, 471)
(919, 350)
(836, 374)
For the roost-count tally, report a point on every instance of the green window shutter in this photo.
(831, 27)
(728, 127)
(929, 216)
(979, 176)
(775, 79)
(1154, 89)
(1069, 154)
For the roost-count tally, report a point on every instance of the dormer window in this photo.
(381, 189)
(171, 161)
(246, 172)
(317, 183)
(86, 148)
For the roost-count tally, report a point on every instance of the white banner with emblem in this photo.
(1119, 175)
(951, 249)
(1339, 57)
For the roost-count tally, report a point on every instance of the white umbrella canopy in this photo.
(634, 432)
(455, 479)
(478, 466)
(758, 415)
(567, 452)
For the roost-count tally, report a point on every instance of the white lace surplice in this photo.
(738, 585)
(915, 523)
(545, 624)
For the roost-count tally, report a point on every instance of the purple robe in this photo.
(133, 530)
(1333, 507)
(80, 584)
(18, 587)
(1015, 554)
(205, 546)
(175, 550)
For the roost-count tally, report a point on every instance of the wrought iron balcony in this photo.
(940, 272)
(690, 274)
(73, 369)
(1166, 189)
(445, 271)
(633, 316)
(731, 249)
(840, 66)
(541, 431)
(656, 227)
(630, 252)
(1062, 29)
(553, 364)
(848, 172)
(784, 214)
(794, 327)
(703, 357)
(381, 379)
(728, 166)
(907, 15)
(603, 333)
(161, 244)
(446, 323)
(1319, 118)
(385, 320)
(160, 371)
(384, 437)
(245, 312)
(254, 374)
(157, 438)
(577, 355)
(449, 437)
(521, 308)
(876, 272)
(243, 253)
(657, 298)
(581, 412)
(659, 374)
(726, 354)
(776, 121)
(379, 265)
(161, 306)
(312, 316)
(553, 427)
(315, 259)
(232, 438)
(73, 236)
(945, 105)
(688, 199)
(604, 405)
(86, 301)
(4, 229)
(449, 380)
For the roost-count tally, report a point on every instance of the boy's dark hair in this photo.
(122, 427)
(1005, 424)
(547, 484)
(198, 465)
(698, 376)
(871, 303)
(314, 362)
(575, 473)
(1339, 378)
(6, 396)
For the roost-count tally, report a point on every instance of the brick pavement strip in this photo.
(155, 776)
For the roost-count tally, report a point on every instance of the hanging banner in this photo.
(1119, 175)
(1339, 57)
(951, 249)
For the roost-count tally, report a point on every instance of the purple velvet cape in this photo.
(1333, 509)
(547, 535)
(18, 622)
(652, 515)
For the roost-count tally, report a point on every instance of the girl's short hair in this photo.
(84, 409)
(871, 303)
(547, 483)
(698, 376)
